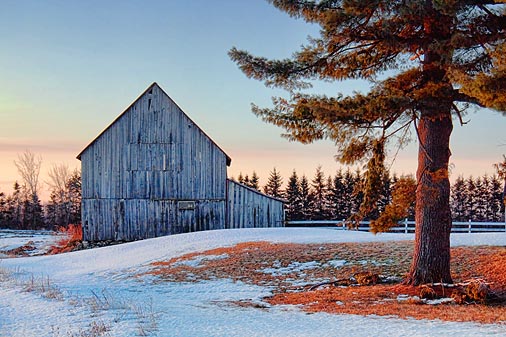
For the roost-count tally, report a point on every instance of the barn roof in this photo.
(229, 160)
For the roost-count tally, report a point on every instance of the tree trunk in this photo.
(431, 261)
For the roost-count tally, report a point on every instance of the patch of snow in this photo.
(437, 301)
(197, 260)
(294, 267)
(337, 263)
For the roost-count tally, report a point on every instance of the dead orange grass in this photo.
(256, 263)
(72, 236)
(382, 300)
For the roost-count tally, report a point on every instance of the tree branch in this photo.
(462, 123)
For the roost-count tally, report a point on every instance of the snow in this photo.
(97, 289)
(294, 267)
(40, 240)
(197, 260)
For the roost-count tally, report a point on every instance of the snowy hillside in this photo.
(92, 291)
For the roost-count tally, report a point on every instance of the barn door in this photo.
(186, 216)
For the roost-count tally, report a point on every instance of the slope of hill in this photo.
(108, 292)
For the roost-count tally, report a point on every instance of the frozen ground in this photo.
(41, 241)
(79, 293)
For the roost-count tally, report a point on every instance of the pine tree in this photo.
(329, 205)
(318, 195)
(470, 212)
(336, 196)
(3, 210)
(481, 199)
(501, 172)
(274, 185)
(426, 61)
(349, 197)
(240, 178)
(15, 211)
(246, 181)
(74, 191)
(255, 181)
(357, 192)
(305, 198)
(496, 204)
(384, 198)
(292, 193)
(459, 199)
(34, 215)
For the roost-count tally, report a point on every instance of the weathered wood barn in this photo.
(154, 172)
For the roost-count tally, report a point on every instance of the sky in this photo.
(68, 68)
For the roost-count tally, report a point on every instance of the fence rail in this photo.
(406, 226)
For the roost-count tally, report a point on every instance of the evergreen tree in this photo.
(274, 185)
(73, 186)
(349, 201)
(240, 178)
(15, 211)
(501, 172)
(58, 208)
(337, 196)
(318, 195)
(293, 204)
(459, 199)
(305, 198)
(384, 197)
(255, 181)
(481, 198)
(470, 211)
(33, 214)
(496, 206)
(437, 57)
(3, 210)
(329, 204)
(357, 192)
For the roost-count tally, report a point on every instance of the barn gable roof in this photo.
(229, 160)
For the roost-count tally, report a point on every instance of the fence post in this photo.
(469, 226)
(406, 225)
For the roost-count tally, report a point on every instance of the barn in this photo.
(154, 172)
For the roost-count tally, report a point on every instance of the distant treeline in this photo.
(322, 198)
(338, 197)
(22, 209)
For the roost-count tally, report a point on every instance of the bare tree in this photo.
(28, 166)
(59, 175)
(58, 209)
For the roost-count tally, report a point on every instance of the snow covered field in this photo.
(85, 292)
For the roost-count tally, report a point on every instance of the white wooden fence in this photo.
(405, 226)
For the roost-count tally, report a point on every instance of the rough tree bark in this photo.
(431, 261)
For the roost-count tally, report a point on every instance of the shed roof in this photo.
(154, 84)
(257, 191)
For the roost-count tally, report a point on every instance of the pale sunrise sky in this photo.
(68, 68)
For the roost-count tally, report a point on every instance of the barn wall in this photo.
(248, 208)
(138, 170)
(134, 219)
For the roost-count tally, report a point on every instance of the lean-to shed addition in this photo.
(154, 172)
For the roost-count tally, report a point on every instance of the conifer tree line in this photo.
(23, 209)
(325, 197)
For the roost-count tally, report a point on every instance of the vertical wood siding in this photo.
(136, 171)
(248, 208)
